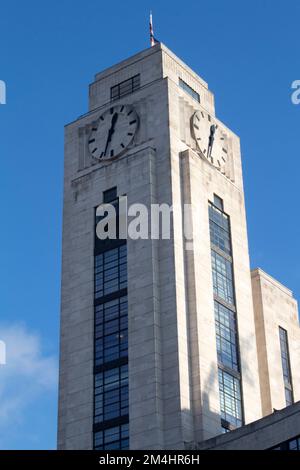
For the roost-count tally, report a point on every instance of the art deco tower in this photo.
(158, 341)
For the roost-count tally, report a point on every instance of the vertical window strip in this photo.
(225, 319)
(286, 366)
(111, 413)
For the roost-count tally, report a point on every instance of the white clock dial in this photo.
(113, 132)
(210, 139)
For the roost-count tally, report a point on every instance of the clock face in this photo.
(210, 139)
(113, 132)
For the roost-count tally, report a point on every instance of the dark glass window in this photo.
(126, 87)
(111, 341)
(230, 399)
(222, 277)
(292, 444)
(218, 202)
(111, 394)
(288, 396)
(110, 195)
(286, 367)
(189, 90)
(111, 414)
(116, 438)
(219, 229)
(226, 333)
(110, 271)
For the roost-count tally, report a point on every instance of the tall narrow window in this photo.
(111, 416)
(225, 318)
(286, 366)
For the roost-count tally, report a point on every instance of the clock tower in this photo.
(158, 342)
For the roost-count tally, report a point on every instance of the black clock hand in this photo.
(211, 139)
(111, 131)
(113, 122)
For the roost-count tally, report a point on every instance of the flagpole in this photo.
(152, 40)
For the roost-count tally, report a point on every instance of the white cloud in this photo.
(27, 375)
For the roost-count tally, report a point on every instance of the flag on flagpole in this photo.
(152, 40)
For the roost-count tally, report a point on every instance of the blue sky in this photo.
(246, 51)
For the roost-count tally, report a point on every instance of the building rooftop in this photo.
(144, 54)
(261, 273)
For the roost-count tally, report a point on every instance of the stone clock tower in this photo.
(158, 344)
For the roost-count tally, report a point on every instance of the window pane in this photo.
(222, 277)
(218, 202)
(125, 87)
(219, 229)
(112, 438)
(288, 397)
(111, 401)
(110, 272)
(189, 90)
(230, 398)
(226, 335)
(286, 368)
